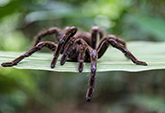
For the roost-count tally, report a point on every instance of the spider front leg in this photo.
(66, 37)
(83, 47)
(90, 90)
(93, 59)
(52, 46)
(67, 50)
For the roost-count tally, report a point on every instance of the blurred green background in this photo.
(31, 91)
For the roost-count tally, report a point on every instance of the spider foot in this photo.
(141, 63)
(8, 64)
(52, 66)
(80, 70)
(89, 94)
(53, 63)
(80, 66)
(88, 99)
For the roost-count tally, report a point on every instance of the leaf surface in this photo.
(113, 60)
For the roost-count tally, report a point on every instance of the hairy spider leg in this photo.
(68, 47)
(52, 46)
(90, 90)
(50, 31)
(81, 57)
(83, 47)
(119, 40)
(126, 52)
(104, 43)
(94, 32)
(81, 52)
(66, 37)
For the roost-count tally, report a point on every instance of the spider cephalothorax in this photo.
(78, 46)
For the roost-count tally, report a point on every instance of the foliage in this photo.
(47, 91)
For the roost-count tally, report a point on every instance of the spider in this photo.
(80, 47)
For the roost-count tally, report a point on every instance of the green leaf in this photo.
(113, 60)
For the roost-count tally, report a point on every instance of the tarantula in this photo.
(78, 46)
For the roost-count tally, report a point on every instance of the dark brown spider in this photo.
(78, 46)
